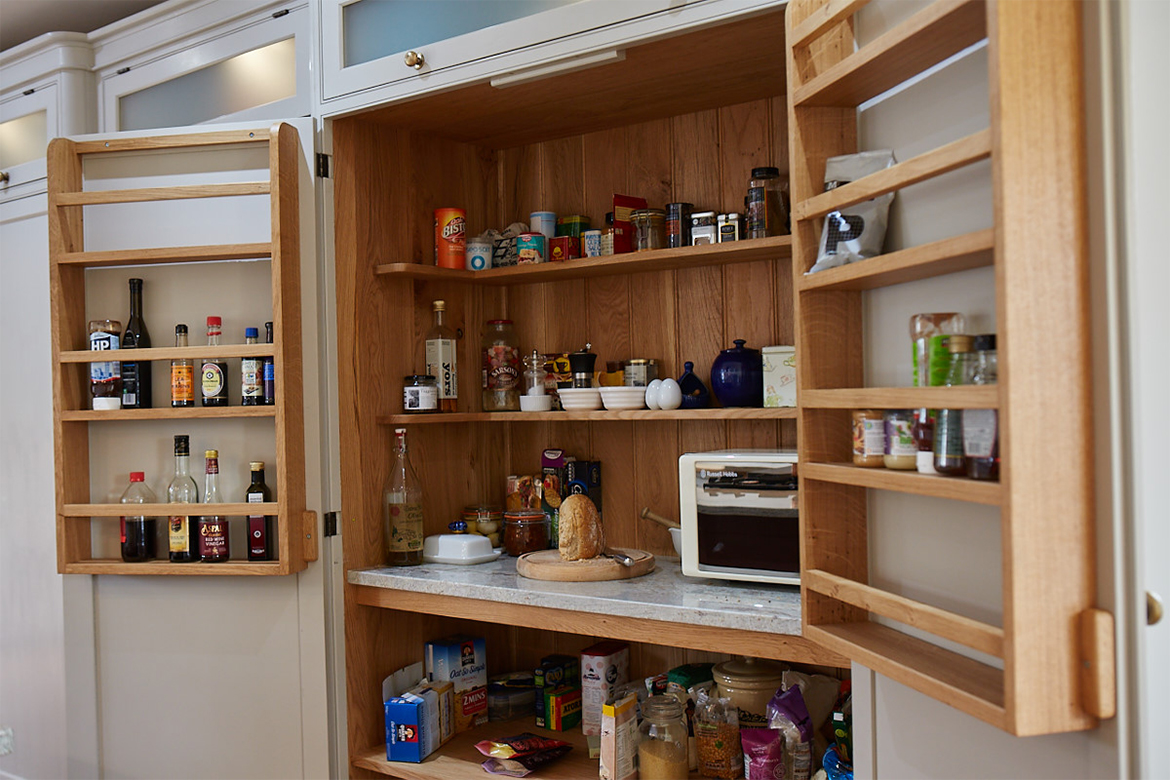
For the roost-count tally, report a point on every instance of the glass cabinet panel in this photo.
(23, 139)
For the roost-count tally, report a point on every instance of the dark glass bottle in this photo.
(214, 543)
(981, 426)
(136, 376)
(138, 530)
(182, 539)
(214, 376)
(269, 370)
(251, 374)
(261, 528)
(948, 427)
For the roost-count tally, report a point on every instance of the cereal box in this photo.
(555, 671)
(461, 660)
(562, 707)
(410, 735)
(604, 667)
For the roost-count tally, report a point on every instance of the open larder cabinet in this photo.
(70, 193)
(1048, 667)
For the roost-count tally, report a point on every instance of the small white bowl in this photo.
(580, 399)
(676, 537)
(535, 403)
(458, 548)
(616, 398)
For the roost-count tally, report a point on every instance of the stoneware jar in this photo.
(737, 376)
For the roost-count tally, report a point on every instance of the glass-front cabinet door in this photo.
(25, 122)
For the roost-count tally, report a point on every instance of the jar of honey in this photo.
(525, 531)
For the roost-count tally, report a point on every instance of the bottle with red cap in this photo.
(214, 376)
(138, 531)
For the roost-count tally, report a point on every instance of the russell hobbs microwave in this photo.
(740, 515)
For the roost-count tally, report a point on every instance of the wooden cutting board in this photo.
(548, 565)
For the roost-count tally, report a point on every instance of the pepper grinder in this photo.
(581, 363)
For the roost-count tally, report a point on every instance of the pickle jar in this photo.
(501, 367)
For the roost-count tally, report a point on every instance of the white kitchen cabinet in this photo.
(378, 51)
(188, 63)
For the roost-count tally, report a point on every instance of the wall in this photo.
(943, 552)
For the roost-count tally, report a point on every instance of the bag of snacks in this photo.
(854, 232)
(763, 753)
(717, 737)
(520, 755)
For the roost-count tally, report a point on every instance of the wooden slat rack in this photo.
(296, 536)
(1046, 504)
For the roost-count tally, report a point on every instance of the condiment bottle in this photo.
(869, 438)
(137, 530)
(136, 392)
(662, 751)
(402, 508)
(269, 370)
(214, 541)
(181, 536)
(980, 426)
(441, 361)
(501, 367)
(261, 528)
(534, 374)
(901, 451)
(213, 377)
(105, 379)
(251, 373)
(948, 428)
(182, 374)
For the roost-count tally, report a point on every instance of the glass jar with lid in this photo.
(501, 367)
(662, 750)
(765, 204)
(649, 229)
(750, 683)
(525, 531)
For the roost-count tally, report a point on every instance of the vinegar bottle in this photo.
(136, 376)
(440, 357)
(214, 544)
(261, 528)
(402, 510)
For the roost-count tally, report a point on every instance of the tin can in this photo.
(562, 248)
(450, 233)
(678, 224)
(479, 253)
(572, 225)
(703, 228)
(729, 227)
(640, 372)
(531, 248)
(544, 222)
(504, 253)
(591, 243)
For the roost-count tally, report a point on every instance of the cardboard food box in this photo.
(779, 376)
(462, 661)
(555, 671)
(554, 489)
(440, 698)
(619, 738)
(562, 707)
(411, 730)
(604, 667)
(585, 478)
(623, 228)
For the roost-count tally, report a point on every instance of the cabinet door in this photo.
(27, 122)
(366, 42)
(256, 68)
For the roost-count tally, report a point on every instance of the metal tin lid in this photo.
(419, 379)
(702, 214)
(256, 465)
(984, 342)
(749, 671)
(765, 172)
(959, 343)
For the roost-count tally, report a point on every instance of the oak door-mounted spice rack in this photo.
(1055, 646)
(296, 528)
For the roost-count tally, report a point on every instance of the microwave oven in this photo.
(740, 515)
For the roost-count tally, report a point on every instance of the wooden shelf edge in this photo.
(748, 250)
(165, 510)
(782, 647)
(965, 151)
(967, 685)
(831, 13)
(178, 254)
(179, 141)
(951, 255)
(939, 622)
(170, 353)
(785, 413)
(152, 194)
(962, 397)
(165, 568)
(935, 485)
(940, 30)
(193, 413)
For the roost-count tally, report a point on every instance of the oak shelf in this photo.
(169, 413)
(169, 353)
(176, 254)
(745, 251)
(151, 194)
(961, 397)
(165, 568)
(951, 255)
(788, 413)
(936, 485)
(163, 510)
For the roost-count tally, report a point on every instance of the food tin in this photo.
(479, 253)
(504, 252)
(544, 222)
(562, 248)
(729, 227)
(678, 224)
(639, 372)
(531, 248)
(419, 393)
(450, 233)
(572, 225)
(591, 243)
(704, 229)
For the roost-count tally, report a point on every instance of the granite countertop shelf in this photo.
(662, 607)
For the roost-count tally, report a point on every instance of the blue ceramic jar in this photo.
(737, 376)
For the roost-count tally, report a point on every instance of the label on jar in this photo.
(180, 541)
(213, 537)
(420, 398)
(212, 378)
(979, 432)
(501, 367)
(104, 375)
(869, 437)
(441, 365)
(182, 384)
(406, 527)
(900, 438)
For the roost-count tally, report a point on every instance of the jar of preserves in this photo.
(662, 747)
(869, 438)
(640, 372)
(420, 393)
(649, 229)
(901, 450)
(525, 531)
(501, 367)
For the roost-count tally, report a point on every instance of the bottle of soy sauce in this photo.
(136, 376)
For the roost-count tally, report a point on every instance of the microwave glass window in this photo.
(749, 538)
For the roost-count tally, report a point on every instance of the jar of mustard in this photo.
(750, 683)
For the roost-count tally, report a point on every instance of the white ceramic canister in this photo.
(750, 683)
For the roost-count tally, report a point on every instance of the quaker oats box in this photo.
(411, 726)
(461, 660)
(604, 667)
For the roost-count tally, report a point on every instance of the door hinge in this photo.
(331, 523)
(279, 14)
(322, 166)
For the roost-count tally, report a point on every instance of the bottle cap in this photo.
(135, 284)
(256, 465)
(107, 404)
(765, 172)
(984, 342)
(959, 343)
(251, 333)
(439, 305)
(137, 476)
(180, 328)
(214, 322)
(182, 445)
(211, 454)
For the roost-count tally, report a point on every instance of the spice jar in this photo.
(901, 450)
(765, 204)
(105, 379)
(750, 683)
(501, 367)
(640, 372)
(869, 438)
(649, 229)
(525, 531)
(419, 393)
(662, 750)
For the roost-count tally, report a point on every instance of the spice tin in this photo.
(531, 248)
(562, 248)
(572, 225)
(678, 224)
(479, 253)
(639, 372)
(591, 243)
(450, 233)
(544, 222)
(419, 393)
(504, 253)
(704, 229)
(729, 227)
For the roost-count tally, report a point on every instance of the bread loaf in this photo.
(580, 535)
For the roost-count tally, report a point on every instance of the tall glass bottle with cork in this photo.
(402, 509)
(441, 361)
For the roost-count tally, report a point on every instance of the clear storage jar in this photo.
(649, 229)
(662, 750)
(501, 367)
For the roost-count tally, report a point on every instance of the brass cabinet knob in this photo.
(414, 60)
(1153, 608)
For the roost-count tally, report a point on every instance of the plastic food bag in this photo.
(763, 753)
(788, 714)
(717, 737)
(855, 232)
